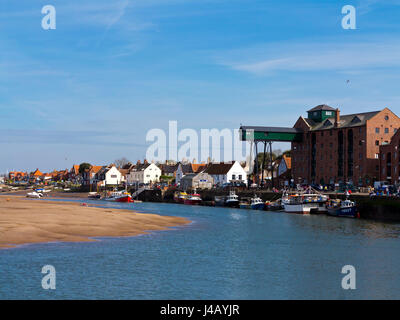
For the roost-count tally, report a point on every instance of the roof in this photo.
(186, 168)
(166, 168)
(346, 121)
(218, 168)
(37, 173)
(198, 167)
(141, 166)
(322, 107)
(288, 161)
(96, 169)
(75, 169)
(272, 129)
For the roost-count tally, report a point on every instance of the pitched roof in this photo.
(288, 161)
(96, 169)
(322, 107)
(186, 168)
(37, 173)
(218, 168)
(75, 169)
(198, 167)
(346, 121)
(167, 168)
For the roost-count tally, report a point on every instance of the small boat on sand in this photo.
(34, 195)
(94, 195)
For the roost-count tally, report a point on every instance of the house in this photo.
(199, 180)
(169, 170)
(284, 171)
(226, 172)
(17, 175)
(144, 173)
(187, 168)
(74, 175)
(89, 175)
(108, 175)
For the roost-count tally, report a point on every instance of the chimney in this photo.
(337, 118)
(145, 161)
(138, 162)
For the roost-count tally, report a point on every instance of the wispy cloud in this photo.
(316, 56)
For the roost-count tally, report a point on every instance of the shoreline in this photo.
(25, 221)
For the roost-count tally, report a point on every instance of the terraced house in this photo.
(339, 148)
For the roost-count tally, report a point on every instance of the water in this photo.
(223, 254)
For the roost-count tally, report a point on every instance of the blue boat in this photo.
(344, 208)
(257, 203)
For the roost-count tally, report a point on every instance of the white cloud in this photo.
(315, 56)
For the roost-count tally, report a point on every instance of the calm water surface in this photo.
(223, 254)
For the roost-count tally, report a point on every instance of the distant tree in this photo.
(121, 162)
(83, 166)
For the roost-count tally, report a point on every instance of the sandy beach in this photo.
(24, 221)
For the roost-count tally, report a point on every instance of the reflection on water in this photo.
(223, 254)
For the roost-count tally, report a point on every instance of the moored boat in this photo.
(180, 196)
(257, 203)
(244, 205)
(119, 196)
(232, 200)
(94, 195)
(193, 199)
(35, 195)
(345, 208)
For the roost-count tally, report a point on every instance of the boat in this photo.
(244, 205)
(274, 205)
(232, 200)
(35, 195)
(345, 208)
(119, 196)
(219, 201)
(308, 202)
(257, 203)
(94, 195)
(180, 196)
(193, 199)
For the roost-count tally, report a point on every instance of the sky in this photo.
(91, 89)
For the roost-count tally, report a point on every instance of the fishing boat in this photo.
(244, 204)
(94, 195)
(193, 199)
(274, 205)
(232, 200)
(35, 195)
(119, 196)
(257, 203)
(219, 201)
(304, 203)
(180, 196)
(345, 208)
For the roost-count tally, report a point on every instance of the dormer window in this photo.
(327, 123)
(355, 120)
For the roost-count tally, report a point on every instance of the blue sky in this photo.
(91, 89)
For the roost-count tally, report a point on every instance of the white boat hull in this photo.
(303, 208)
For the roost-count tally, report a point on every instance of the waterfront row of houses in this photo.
(186, 174)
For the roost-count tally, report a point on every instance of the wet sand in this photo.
(24, 221)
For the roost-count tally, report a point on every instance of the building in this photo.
(201, 180)
(144, 173)
(88, 175)
(187, 168)
(226, 172)
(389, 161)
(337, 148)
(108, 175)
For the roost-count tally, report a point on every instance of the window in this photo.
(383, 156)
(240, 177)
(395, 130)
(386, 130)
(328, 113)
(377, 142)
(376, 130)
(360, 142)
(376, 155)
(386, 117)
(233, 177)
(377, 168)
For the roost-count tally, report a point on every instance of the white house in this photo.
(108, 176)
(144, 173)
(226, 172)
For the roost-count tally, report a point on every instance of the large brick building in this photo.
(389, 160)
(339, 148)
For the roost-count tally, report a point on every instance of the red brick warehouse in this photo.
(341, 148)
